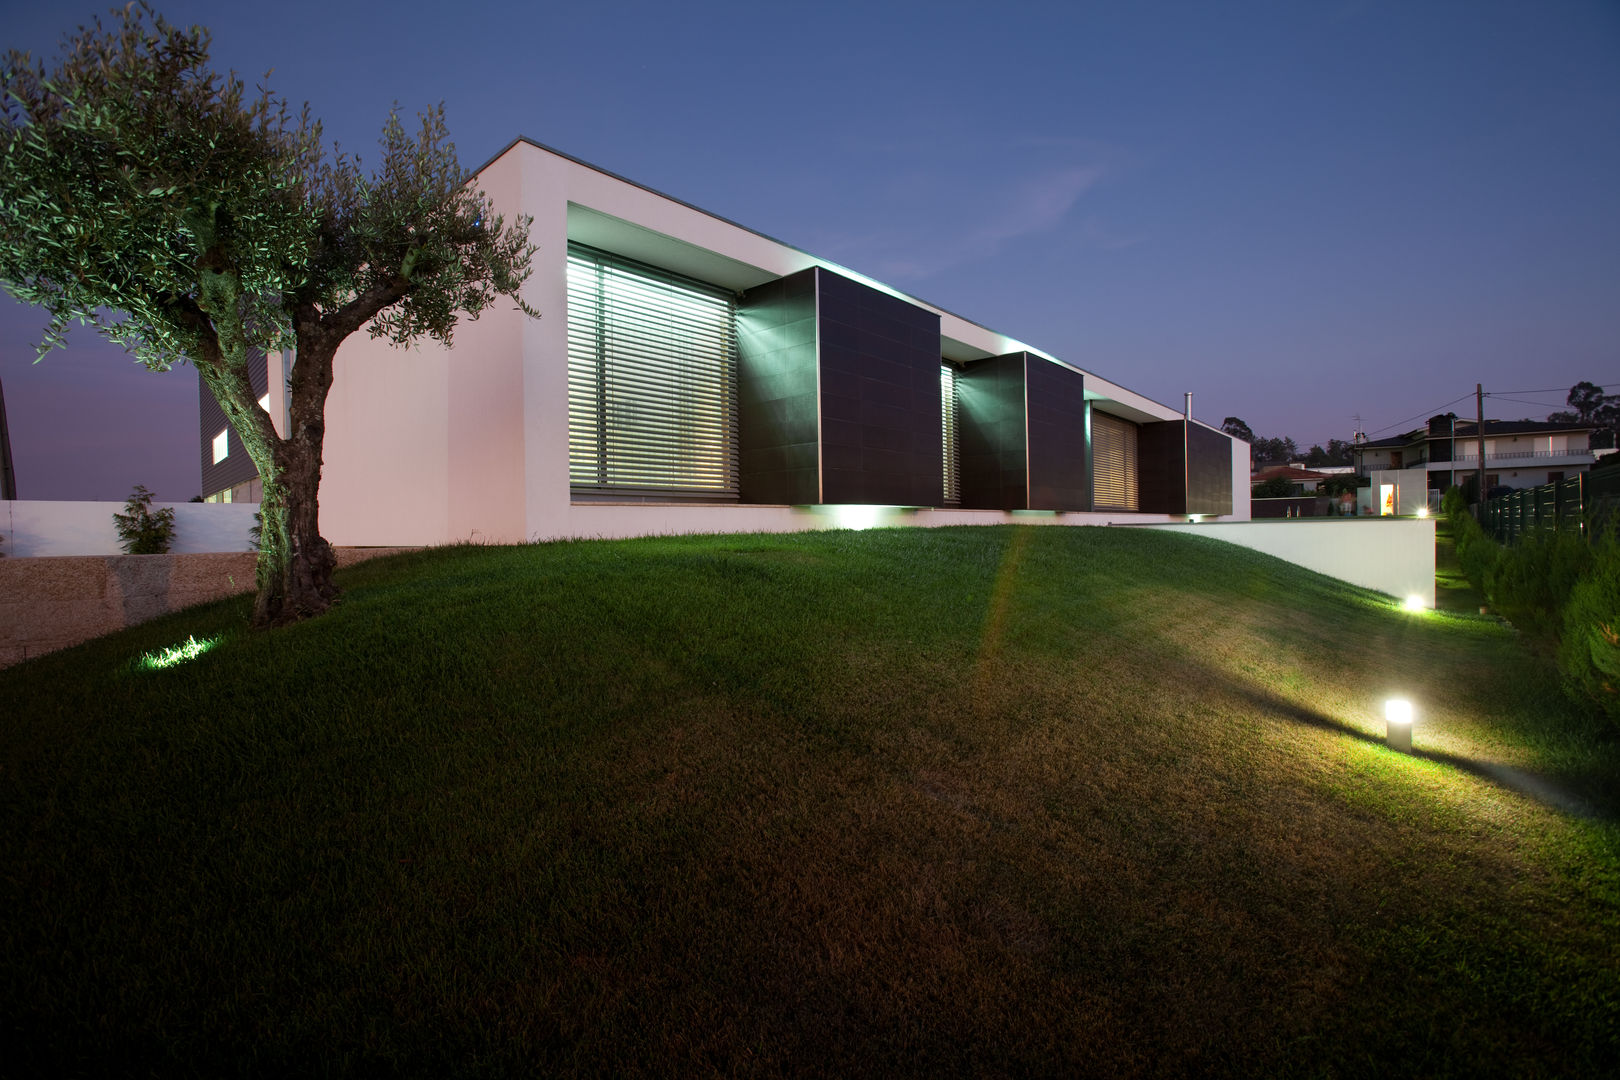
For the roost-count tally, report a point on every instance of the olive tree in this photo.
(189, 219)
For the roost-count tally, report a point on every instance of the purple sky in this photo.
(1299, 212)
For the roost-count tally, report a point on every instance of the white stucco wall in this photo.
(35, 527)
(1411, 491)
(1391, 555)
(1242, 508)
(423, 447)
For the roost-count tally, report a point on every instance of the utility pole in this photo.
(1479, 407)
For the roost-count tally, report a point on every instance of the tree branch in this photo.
(364, 307)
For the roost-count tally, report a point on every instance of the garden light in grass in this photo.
(1398, 724)
(188, 649)
(1415, 602)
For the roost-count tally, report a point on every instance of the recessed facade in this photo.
(688, 374)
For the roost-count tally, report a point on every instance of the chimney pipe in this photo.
(1189, 405)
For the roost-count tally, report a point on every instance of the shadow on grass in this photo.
(1503, 776)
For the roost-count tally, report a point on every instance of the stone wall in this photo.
(53, 602)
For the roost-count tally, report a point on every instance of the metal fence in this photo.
(1585, 501)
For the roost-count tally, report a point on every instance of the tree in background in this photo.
(1275, 451)
(1588, 404)
(1337, 453)
(1237, 429)
(146, 195)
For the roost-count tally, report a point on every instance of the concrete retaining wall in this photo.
(50, 603)
(1392, 555)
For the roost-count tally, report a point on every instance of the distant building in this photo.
(1518, 453)
(1305, 481)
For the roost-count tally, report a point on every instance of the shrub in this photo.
(1533, 579)
(1477, 553)
(141, 530)
(1278, 487)
(1454, 504)
(1589, 655)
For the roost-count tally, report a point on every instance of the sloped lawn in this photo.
(977, 801)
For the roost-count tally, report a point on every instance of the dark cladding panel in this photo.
(1059, 475)
(880, 407)
(237, 468)
(776, 391)
(994, 466)
(1162, 467)
(1209, 471)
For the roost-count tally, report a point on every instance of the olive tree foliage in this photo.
(190, 219)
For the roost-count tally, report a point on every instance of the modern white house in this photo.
(688, 374)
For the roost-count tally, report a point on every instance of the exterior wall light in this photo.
(1398, 724)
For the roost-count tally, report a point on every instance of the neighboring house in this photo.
(1305, 481)
(1518, 453)
(228, 474)
(691, 375)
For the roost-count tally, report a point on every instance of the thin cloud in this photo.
(1035, 205)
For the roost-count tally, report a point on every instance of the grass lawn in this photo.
(1453, 592)
(935, 802)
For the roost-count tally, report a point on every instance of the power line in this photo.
(1522, 401)
(1549, 390)
(1420, 416)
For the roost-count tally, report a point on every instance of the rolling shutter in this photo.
(1113, 456)
(652, 380)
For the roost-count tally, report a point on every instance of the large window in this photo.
(652, 380)
(1113, 457)
(952, 489)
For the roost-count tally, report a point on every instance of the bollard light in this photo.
(1398, 724)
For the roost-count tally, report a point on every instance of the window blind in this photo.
(652, 380)
(1113, 456)
(952, 491)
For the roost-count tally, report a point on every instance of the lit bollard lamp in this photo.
(1398, 724)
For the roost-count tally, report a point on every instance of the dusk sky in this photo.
(1300, 212)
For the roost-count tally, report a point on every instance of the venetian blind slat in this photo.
(652, 379)
(1113, 454)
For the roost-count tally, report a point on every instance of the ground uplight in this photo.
(1398, 724)
(188, 649)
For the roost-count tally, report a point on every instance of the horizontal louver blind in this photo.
(652, 379)
(947, 407)
(1113, 456)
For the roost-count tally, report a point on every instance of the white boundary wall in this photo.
(1391, 555)
(35, 527)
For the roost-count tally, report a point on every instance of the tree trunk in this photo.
(294, 571)
(295, 566)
